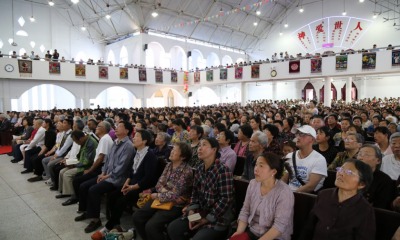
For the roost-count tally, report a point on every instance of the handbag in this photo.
(162, 206)
(241, 236)
(143, 199)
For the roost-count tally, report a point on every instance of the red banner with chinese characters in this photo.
(337, 31)
(185, 82)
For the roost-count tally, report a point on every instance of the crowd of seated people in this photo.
(186, 157)
(274, 58)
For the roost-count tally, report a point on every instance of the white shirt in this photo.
(391, 166)
(104, 146)
(139, 156)
(313, 163)
(74, 151)
(38, 140)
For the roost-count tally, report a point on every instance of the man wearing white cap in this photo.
(310, 167)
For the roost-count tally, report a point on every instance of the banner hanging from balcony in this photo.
(368, 60)
(123, 73)
(223, 74)
(54, 68)
(174, 77)
(238, 72)
(336, 31)
(159, 76)
(185, 82)
(316, 65)
(395, 57)
(294, 66)
(103, 72)
(25, 68)
(142, 75)
(210, 76)
(196, 77)
(80, 70)
(255, 71)
(341, 63)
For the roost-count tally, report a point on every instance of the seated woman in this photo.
(273, 144)
(180, 134)
(267, 211)
(242, 146)
(162, 149)
(174, 185)
(343, 212)
(212, 198)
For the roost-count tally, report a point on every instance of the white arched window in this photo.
(111, 57)
(22, 51)
(123, 56)
(226, 60)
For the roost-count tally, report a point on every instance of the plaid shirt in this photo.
(212, 193)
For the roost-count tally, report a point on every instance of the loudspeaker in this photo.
(189, 54)
(145, 47)
(190, 94)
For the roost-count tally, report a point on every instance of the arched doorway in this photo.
(115, 97)
(171, 99)
(333, 90)
(308, 92)
(354, 92)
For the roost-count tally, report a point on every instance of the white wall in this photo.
(50, 30)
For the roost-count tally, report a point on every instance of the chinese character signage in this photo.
(294, 66)
(185, 82)
(341, 32)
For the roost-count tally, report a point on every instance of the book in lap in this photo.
(71, 161)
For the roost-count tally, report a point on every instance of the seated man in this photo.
(381, 192)
(228, 156)
(86, 156)
(391, 162)
(102, 150)
(307, 168)
(114, 172)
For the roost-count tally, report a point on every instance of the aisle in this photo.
(31, 211)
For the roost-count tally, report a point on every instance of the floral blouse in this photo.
(182, 137)
(175, 184)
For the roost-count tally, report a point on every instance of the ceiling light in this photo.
(301, 9)
(51, 3)
(32, 19)
(255, 23)
(344, 13)
(108, 16)
(286, 25)
(74, 1)
(83, 28)
(281, 33)
(154, 14)
(361, 1)
(375, 16)
(258, 12)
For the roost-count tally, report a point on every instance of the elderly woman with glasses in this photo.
(342, 212)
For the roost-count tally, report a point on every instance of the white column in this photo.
(362, 89)
(274, 90)
(244, 92)
(349, 83)
(327, 92)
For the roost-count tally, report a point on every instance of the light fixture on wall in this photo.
(75, 1)
(344, 13)
(154, 13)
(83, 28)
(255, 23)
(301, 9)
(51, 3)
(258, 12)
(108, 16)
(361, 1)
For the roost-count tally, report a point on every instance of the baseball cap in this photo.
(307, 129)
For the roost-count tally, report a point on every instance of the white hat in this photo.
(307, 129)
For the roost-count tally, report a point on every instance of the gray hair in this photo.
(166, 137)
(4, 116)
(262, 138)
(393, 136)
(80, 124)
(359, 137)
(378, 153)
(206, 129)
(107, 126)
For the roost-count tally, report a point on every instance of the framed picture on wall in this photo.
(223, 74)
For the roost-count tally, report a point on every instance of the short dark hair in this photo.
(93, 121)
(127, 126)
(47, 121)
(198, 129)
(246, 130)
(229, 135)
(179, 122)
(274, 162)
(272, 129)
(280, 122)
(79, 124)
(77, 134)
(214, 144)
(186, 150)
(146, 136)
(220, 126)
(364, 171)
(124, 117)
(383, 130)
(334, 115)
(29, 120)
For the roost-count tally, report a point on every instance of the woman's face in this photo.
(278, 116)
(269, 135)
(24, 123)
(262, 170)
(205, 150)
(240, 135)
(380, 137)
(287, 149)
(364, 117)
(348, 178)
(138, 126)
(253, 124)
(138, 141)
(175, 154)
(160, 140)
(345, 125)
(193, 134)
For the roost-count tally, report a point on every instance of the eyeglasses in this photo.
(348, 140)
(348, 172)
(360, 154)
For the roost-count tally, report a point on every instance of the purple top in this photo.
(228, 157)
(275, 209)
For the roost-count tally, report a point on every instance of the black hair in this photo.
(77, 134)
(383, 130)
(29, 121)
(146, 136)
(334, 115)
(364, 172)
(274, 162)
(246, 130)
(199, 130)
(229, 135)
(280, 122)
(186, 150)
(179, 122)
(127, 126)
(272, 129)
(220, 126)
(214, 144)
(290, 121)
